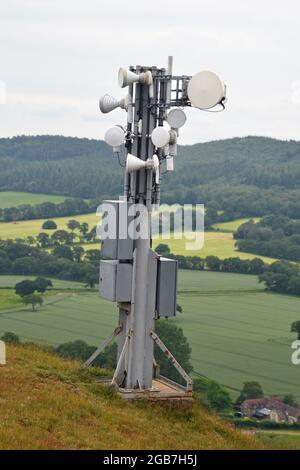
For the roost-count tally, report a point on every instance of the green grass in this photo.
(13, 199)
(28, 228)
(11, 281)
(219, 244)
(233, 225)
(280, 439)
(8, 299)
(237, 331)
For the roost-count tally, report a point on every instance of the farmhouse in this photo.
(271, 408)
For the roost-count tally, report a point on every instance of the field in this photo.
(219, 244)
(8, 299)
(28, 228)
(216, 243)
(233, 225)
(11, 281)
(237, 331)
(13, 199)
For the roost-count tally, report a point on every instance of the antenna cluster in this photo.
(203, 90)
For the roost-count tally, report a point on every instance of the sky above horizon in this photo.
(58, 57)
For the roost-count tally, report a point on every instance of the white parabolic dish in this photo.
(206, 90)
(114, 136)
(160, 137)
(176, 118)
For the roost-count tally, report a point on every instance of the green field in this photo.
(219, 244)
(233, 225)
(14, 199)
(237, 331)
(215, 243)
(280, 439)
(11, 281)
(8, 299)
(28, 228)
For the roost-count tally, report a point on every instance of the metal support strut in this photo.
(173, 361)
(102, 346)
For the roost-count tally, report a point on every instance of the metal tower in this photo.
(131, 273)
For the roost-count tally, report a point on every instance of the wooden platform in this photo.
(162, 390)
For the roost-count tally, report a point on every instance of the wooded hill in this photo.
(248, 176)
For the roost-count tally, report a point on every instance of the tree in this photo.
(213, 263)
(213, 394)
(91, 279)
(42, 284)
(60, 237)
(49, 225)
(25, 288)
(249, 391)
(295, 328)
(78, 253)
(73, 225)
(289, 399)
(33, 300)
(173, 337)
(84, 229)
(80, 350)
(43, 240)
(162, 249)
(93, 255)
(63, 251)
(10, 337)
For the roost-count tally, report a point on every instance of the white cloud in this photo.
(59, 56)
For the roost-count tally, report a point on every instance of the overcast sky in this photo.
(58, 56)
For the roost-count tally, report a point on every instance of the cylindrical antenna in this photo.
(169, 84)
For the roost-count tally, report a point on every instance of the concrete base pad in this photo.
(162, 390)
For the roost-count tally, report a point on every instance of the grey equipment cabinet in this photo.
(115, 280)
(166, 296)
(115, 218)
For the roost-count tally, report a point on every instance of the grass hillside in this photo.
(49, 403)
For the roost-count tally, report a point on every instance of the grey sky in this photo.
(57, 57)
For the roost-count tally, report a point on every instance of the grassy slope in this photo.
(236, 330)
(50, 404)
(13, 199)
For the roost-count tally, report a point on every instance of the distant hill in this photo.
(50, 403)
(242, 176)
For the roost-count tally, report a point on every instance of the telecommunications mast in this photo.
(141, 282)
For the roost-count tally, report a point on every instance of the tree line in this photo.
(282, 277)
(214, 263)
(47, 210)
(274, 235)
